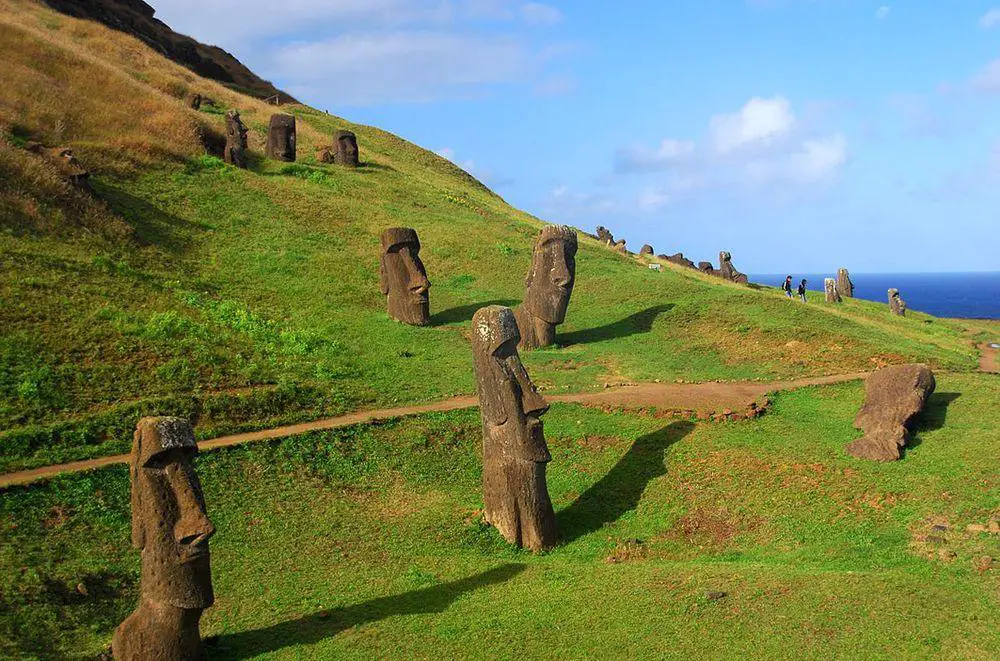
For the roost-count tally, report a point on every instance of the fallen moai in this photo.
(515, 495)
(727, 271)
(896, 304)
(548, 286)
(281, 138)
(894, 395)
(830, 289)
(403, 278)
(679, 259)
(844, 284)
(236, 140)
(64, 161)
(604, 236)
(171, 529)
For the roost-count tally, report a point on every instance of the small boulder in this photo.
(894, 396)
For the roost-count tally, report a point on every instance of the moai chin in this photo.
(171, 529)
(515, 495)
(403, 278)
(844, 284)
(281, 138)
(548, 286)
(345, 149)
(236, 140)
(896, 304)
(830, 288)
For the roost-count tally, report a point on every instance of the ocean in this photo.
(967, 295)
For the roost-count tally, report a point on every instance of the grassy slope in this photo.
(248, 299)
(366, 542)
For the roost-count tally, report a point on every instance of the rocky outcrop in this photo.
(894, 396)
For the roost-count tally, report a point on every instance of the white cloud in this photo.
(535, 13)
(653, 199)
(987, 79)
(668, 153)
(882, 12)
(990, 19)
(562, 202)
(759, 121)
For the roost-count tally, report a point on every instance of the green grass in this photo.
(367, 542)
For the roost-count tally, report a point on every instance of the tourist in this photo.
(786, 286)
(802, 290)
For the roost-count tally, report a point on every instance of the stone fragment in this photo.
(281, 138)
(715, 595)
(548, 286)
(236, 140)
(171, 529)
(894, 395)
(345, 145)
(515, 455)
(646, 249)
(830, 288)
(844, 284)
(896, 304)
(403, 278)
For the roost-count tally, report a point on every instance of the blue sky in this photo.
(801, 135)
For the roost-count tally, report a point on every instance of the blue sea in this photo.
(967, 295)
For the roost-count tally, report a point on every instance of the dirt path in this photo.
(989, 358)
(664, 396)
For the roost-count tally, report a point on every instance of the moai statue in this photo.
(896, 304)
(548, 286)
(236, 140)
(195, 101)
(619, 247)
(727, 270)
(515, 495)
(345, 147)
(830, 287)
(403, 278)
(844, 284)
(646, 249)
(894, 396)
(64, 161)
(281, 138)
(604, 236)
(679, 259)
(706, 267)
(171, 529)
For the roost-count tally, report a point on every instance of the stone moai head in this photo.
(830, 289)
(345, 145)
(169, 523)
(896, 303)
(514, 450)
(236, 140)
(844, 284)
(646, 249)
(403, 278)
(281, 138)
(553, 271)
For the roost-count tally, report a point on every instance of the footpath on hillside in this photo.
(696, 398)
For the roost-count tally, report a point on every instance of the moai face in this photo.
(510, 404)
(403, 278)
(169, 523)
(347, 149)
(236, 140)
(281, 138)
(553, 271)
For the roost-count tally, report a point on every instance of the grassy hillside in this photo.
(250, 298)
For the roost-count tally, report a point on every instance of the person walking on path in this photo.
(802, 290)
(786, 286)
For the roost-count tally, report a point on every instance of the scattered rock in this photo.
(936, 540)
(715, 595)
(940, 527)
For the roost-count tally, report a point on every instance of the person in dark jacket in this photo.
(786, 286)
(802, 290)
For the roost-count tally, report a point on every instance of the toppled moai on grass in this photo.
(679, 259)
(646, 249)
(281, 138)
(403, 278)
(171, 529)
(515, 494)
(548, 286)
(830, 289)
(844, 284)
(894, 396)
(64, 161)
(726, 269)
(236, 140)
(897, 305)
(706, 267)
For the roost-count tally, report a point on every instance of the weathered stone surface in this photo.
(727, 270)
(894, 395)
(403, 278)
(679, 259)
(706, 267)
(896, 304)
(646, 249)
(830, 289)
(548, 286)
(171, 528)
(619, 247)
(515, 494)
(604, 236)
(844, 284)
(236, 140)
(345, 145)
(281, 138)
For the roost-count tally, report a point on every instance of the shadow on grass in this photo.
(464, 312)
(619, 491)
(640, 322)
(933, 417)
(318, 626)
(153, 226)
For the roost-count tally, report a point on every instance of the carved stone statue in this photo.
(619, 247)
(894, 395)
(345, 149)
(646, 249)
(281, 138)
(170, 527)
(605, 236)
(844, 284)
(236, 140)
(679, 259)
(706, 267)
(64, 161)
(515, 495)
(896, 304)
(403, 278)
(548, 286)
(726, 269)
(830, 288)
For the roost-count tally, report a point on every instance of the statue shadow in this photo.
(152, 225)
(640, 322)
(464, 312)
(933, 417)
(313, 628)
(620, 490)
